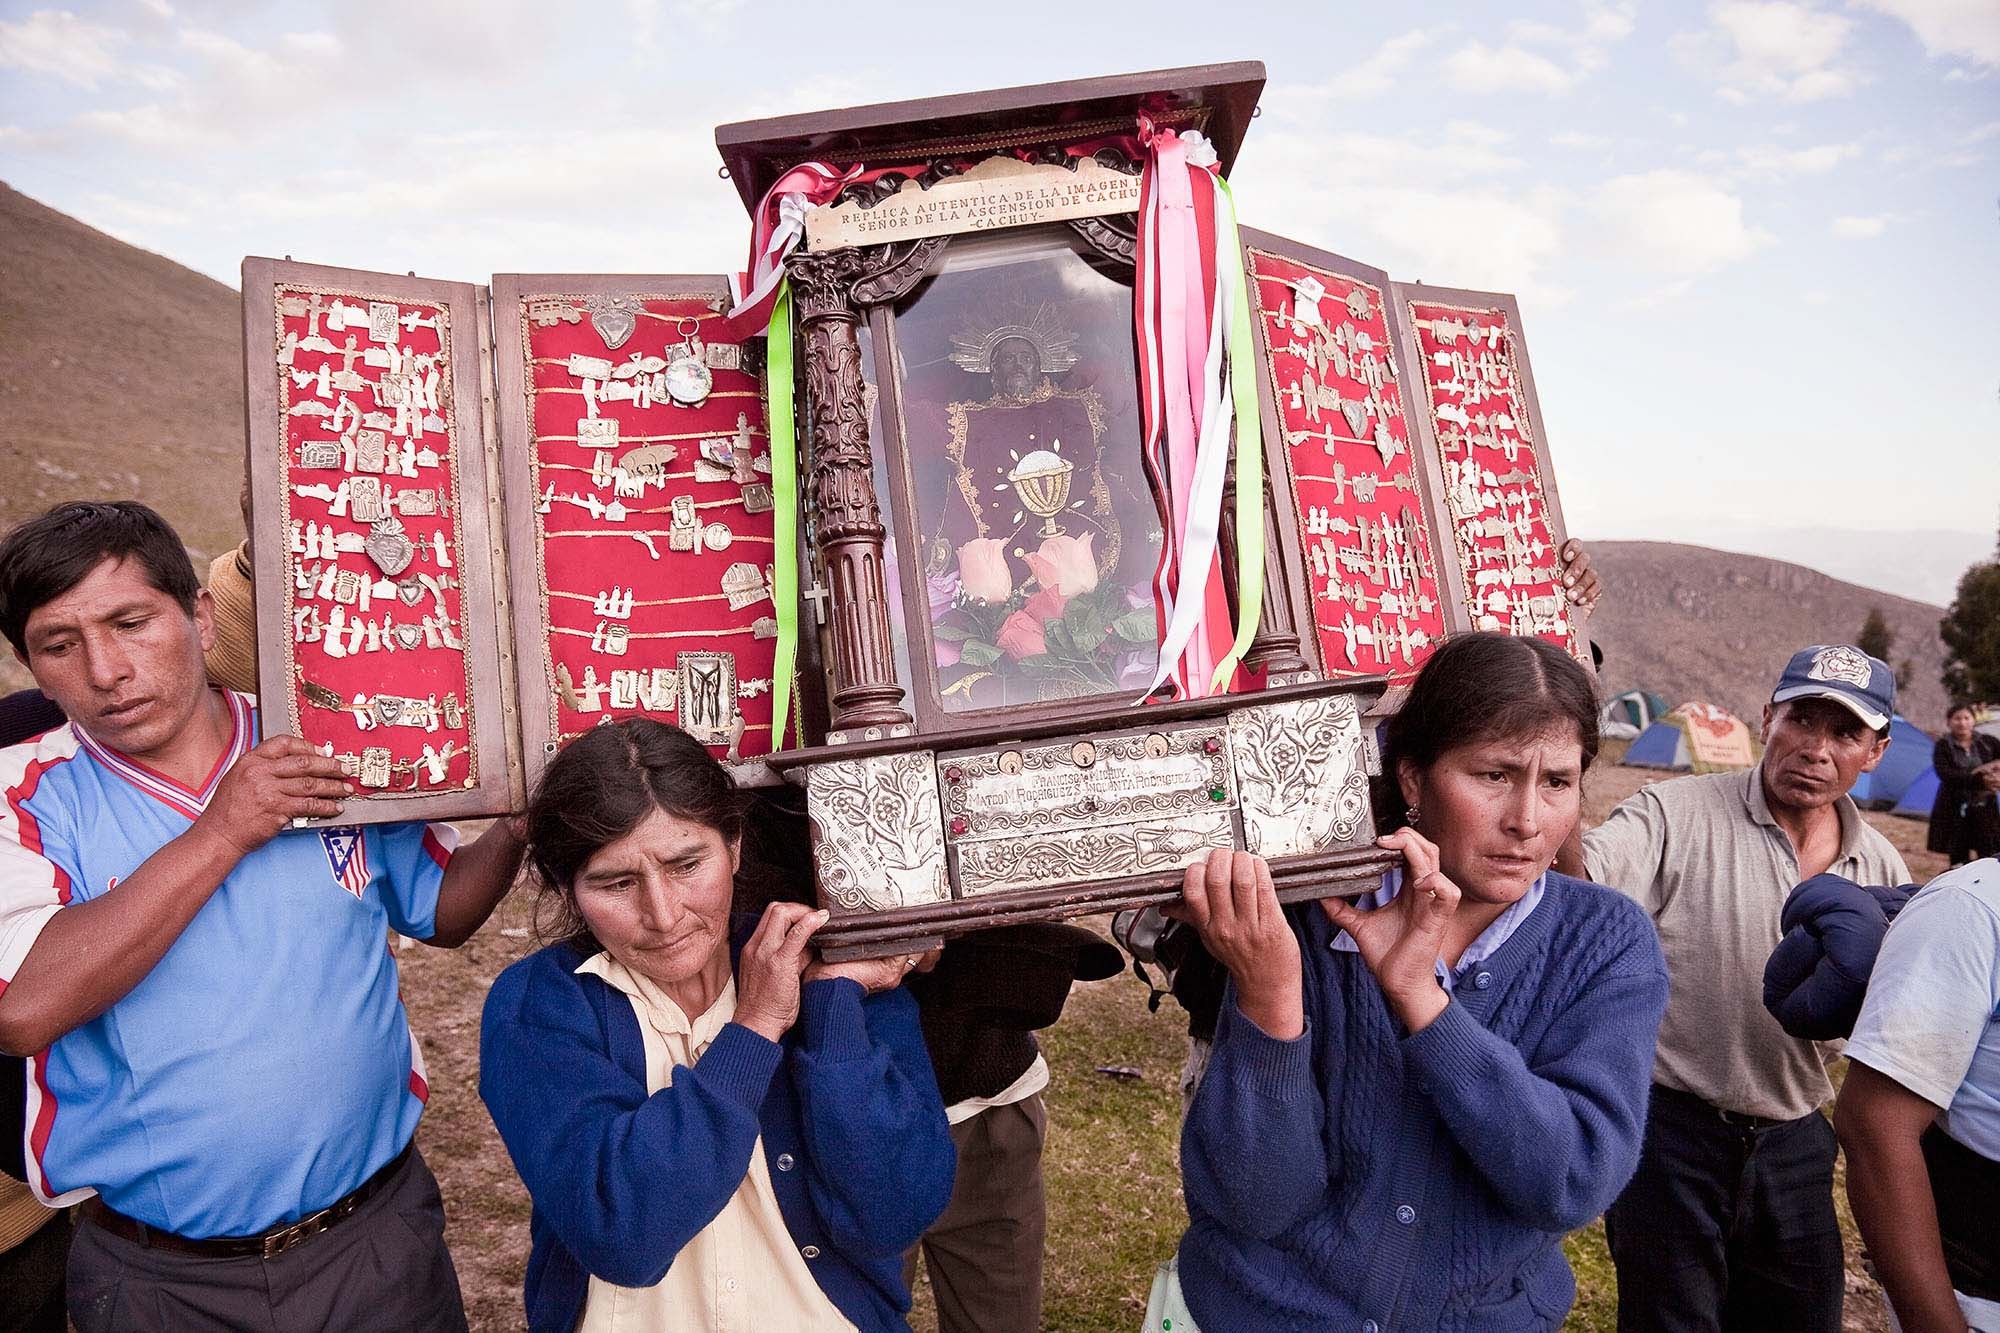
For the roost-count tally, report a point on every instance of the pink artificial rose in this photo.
(1066, 564)
(1021, 635)
(983, 571)
(1045, 605)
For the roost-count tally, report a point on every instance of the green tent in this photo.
(1623, 718)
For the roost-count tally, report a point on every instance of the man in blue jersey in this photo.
(220, 1065)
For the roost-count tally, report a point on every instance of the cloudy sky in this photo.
(1757, 242)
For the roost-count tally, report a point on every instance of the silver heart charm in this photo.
(389, 546)
(614, 318)
(387, 708)
(409, 592)
(409, 636)
(1356, 412)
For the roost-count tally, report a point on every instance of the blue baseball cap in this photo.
(1844, 674)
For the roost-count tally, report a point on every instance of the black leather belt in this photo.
(268, 1245)
(1735, 1119)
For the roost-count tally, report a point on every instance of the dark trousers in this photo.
(31, 1280)
(1727, 1227)
(984, 1255)
(385, 1269)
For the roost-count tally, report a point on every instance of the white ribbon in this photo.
(1201, 534)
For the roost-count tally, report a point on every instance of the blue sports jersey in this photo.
(264, 1067)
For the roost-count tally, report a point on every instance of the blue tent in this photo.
(1908, 756)
(1918, 796)
(1662, 745)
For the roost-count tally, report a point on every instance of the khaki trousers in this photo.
(984, 1255)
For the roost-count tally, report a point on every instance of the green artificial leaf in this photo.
(973, 652)
(1138, 626)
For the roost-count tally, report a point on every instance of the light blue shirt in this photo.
(1931, 1020)
(1485, 946)
(264, 1067)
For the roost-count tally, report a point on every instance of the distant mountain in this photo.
(121, 374)
(1924, 564)
(1691, 623)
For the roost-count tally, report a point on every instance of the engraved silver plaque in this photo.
(876, 841)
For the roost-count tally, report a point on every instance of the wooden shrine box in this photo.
(487, 518)
(986, 533)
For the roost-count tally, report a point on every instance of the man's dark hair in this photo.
(47, 556)
(1483, 687)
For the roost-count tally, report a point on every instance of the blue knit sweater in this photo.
(1360, 1178)
(621, 1181)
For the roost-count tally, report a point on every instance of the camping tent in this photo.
(1918, 797)
(1624, 717)
(1696, 735)
(1908, 756)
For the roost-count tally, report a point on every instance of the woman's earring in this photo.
(1413, 817)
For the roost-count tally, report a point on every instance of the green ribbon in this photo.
(1249, 447)
(784, 509)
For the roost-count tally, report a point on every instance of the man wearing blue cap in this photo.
(1729, 1223)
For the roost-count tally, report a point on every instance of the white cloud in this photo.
(1604, 23)
(1769, 161)
(1859, 228)
(1579, 140)
(1477, 68)
(1771, 49)
(58, 44)
(1435, 207)
(1990, 130)
(1675, 221)
(1381, 71)
(1969, 29)
(1663, 295)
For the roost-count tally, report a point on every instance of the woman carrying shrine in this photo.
(716, 1131)
(1413, 1096)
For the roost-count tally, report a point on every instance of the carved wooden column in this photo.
(847, 518)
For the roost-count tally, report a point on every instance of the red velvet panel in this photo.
(1357, 500)
(337, 393)
(582, 556)
(1494, 493)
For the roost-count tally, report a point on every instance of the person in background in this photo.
(717, 1131)
(1729, 1223)
(1965, 817)
(980, 1009)
(223, 1073)
(231, 658)
(1919, 1112)
(1413, 1097)
(34, 1239)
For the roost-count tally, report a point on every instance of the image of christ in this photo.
(1038, 531)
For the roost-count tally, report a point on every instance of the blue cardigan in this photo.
(1817, 976)
(1359, 1177)
(622, 1181)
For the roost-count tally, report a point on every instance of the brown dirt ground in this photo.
(1114, 1187)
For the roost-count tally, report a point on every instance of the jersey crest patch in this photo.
(346, 857)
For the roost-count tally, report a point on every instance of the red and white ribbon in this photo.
(1185, 289)
(776, 229)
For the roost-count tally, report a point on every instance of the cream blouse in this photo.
(741, 1273)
